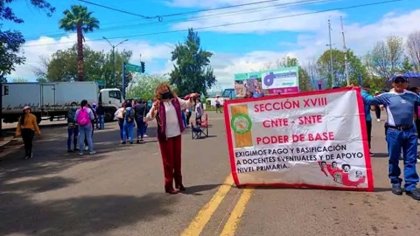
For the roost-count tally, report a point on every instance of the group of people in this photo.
(130, 115)
(401, 132)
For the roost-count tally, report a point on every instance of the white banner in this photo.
(314, 139)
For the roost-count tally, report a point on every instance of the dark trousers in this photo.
(378, 112)
(141, 127)
(72, 133)
(369, 132)
(188, 117)
(28, 136)
(170, 150)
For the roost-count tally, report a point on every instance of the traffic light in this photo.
(142, 66)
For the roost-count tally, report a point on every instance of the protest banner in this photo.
(308, 140)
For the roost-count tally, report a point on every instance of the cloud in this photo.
(43, 48)
(309, 46)
(268, 17)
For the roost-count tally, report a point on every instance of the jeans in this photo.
(101, 122)
(407, 141)
(85, 132)
(141, 127)
(128, 131)
(121, 125)
(72, 133)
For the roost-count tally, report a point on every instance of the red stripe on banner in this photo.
(230, 144)
(270, 97)
(309, 186)
(366, 150)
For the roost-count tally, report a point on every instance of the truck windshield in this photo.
(115, 94)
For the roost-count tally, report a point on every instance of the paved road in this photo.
(119, 191)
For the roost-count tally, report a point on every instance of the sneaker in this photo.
(31, 155)
(138, 141)
(145, 135)
(80, 153)
(415, 194)
(123, 142)
(92, 152)
(396, 189)
(86, 148)
(131, 142)
(69, 150)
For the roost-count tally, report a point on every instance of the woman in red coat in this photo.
(167, 111)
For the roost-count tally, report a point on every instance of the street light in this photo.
(113, 55)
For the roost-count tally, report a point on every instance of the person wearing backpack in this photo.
(140, 113)
(72, 128)
(84, 116)
(128, 125)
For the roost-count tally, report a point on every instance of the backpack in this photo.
(129, 115)
(83, 117)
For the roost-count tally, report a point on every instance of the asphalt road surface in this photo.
(119, 191)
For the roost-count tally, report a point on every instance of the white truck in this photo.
(53, 99)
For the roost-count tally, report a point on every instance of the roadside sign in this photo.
(132, 68)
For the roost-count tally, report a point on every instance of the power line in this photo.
(122, 11)
(254, 10)
(239, 23)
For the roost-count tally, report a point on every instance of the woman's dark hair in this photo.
(128, 104)
(83, 103)
(22, 118)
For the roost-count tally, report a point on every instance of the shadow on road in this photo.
(78, 216)
(195, 190)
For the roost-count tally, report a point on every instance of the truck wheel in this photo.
(109, 114)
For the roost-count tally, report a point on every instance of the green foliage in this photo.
(386, 57)
(192, 72)
(98, 66)
(144, 86)
(11, 40)
(356, 69)
(79, 19)
(406, 65)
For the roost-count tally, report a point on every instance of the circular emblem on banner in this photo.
(241, 123)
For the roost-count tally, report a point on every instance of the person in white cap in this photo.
(27, 127)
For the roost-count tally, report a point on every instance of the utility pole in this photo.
(346, 71)
(331, 56)
(113, 56)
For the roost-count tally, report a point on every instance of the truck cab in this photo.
(111, 99)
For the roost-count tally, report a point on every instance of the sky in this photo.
(243, 35)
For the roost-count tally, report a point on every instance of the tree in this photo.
(192, 71)
(386, 56)
(413, 49)
(356, 70)
(61, 66)
(144, 86)
(11, 40)
(80, 20)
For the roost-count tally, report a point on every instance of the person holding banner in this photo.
(167, 111)
(401, 134)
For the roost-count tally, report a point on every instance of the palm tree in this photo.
(80, 20)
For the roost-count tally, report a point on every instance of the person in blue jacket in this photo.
(401, 135)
